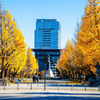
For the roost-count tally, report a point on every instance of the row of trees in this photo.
(78, 58)
(13, 57)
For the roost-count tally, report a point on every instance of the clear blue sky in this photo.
(25, 12)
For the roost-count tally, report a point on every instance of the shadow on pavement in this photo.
(49, 96)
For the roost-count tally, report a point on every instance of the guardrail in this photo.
(50, 85)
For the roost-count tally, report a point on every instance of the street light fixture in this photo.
(46, 59)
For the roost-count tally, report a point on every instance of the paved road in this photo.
(40, 94)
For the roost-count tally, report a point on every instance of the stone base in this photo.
(49, 74)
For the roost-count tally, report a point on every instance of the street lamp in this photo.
(46, 60)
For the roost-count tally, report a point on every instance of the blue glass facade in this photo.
(47, 36)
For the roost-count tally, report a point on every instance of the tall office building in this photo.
(47, 34)
(47, 39)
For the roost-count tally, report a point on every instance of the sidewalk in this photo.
(40, 94)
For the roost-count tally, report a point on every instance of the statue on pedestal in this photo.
(46, 60)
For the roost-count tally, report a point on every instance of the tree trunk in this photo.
(74, 76)
(9, 73)
(77, 76)
(2, 74)
(6, 73)
(14, 74)
(2, 67)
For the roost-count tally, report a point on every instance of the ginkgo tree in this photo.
(85, 51)
(88, 39)
(12, 45)
(65, 64)
(31, 63)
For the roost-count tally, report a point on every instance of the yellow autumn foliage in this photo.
(12, 45)
(81, 57)
(31, 62)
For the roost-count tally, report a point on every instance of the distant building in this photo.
(47, 36)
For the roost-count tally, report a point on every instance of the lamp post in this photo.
(37, 76)
(45, 77)
(46, 59)
(55, 73)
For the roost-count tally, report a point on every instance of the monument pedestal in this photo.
(48, 71)
(49, 74)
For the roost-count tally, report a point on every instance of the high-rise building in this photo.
(47, 41)
(47, 34)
